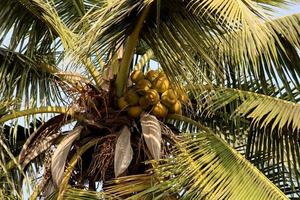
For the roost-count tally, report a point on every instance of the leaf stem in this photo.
(31, 111)
(128, 53)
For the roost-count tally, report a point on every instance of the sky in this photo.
(291, 10)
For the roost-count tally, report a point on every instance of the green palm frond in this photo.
(119, 188)
(262, 109)
(71, 12)
(9, 187)
(276, 154)
(19, 24)
(146, 57)
(205, 161)
(279, 64)
(270, 142)
(34, 21)
(128, 185)
(18, 135)
(273, 152)
(49, 16)
(32, 111)
(272, 4)
(77, 194)
(28, 78)
(182, 44)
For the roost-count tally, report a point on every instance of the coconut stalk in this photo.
(129, 49)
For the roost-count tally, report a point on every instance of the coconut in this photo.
(168, 98)
(175, 108)
(182, 96)
(161, 74)
(152, 96)
(143, 85)
(159, 110)
(152, 75)
(161, 84)
(137, 75)
(134, 111)
(144, 103)
(132, 97)
(122, 103)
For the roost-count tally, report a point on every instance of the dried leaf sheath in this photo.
(123, 152)
(152, 134)
(60, 155)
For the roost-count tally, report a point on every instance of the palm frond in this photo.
(78, 194)
(119, 188)
(204, 166)
(10, 188)
(276, 154)
(30, 80)
(128, 185)
(146, 57)
(270, 142)
(32, 111)
(71, 12)
(188, 31)
(18, 24)
(271, 5)
(279, 64)
(262, 109)
(44, 22)
(34, 26)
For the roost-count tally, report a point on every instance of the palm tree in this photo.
(65, 68)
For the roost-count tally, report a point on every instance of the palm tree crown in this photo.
(85, 114)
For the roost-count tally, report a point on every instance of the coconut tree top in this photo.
(217, 119)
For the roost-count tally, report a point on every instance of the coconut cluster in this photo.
(151, 92)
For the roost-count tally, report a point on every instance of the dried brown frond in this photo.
(102, 159)
(169, 138)
(41, 139)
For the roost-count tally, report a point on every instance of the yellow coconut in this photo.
(159, 110)
(144, 103)
(169, 98)
(152, 75)
(131, 97)
(122, 103)
(143, 85)
(182, 96)
(137, 75)
(161, 84)
(161, 74)
(152, 96)
(134, 111)
(175, 108)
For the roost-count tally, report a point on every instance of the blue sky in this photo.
(291, 10)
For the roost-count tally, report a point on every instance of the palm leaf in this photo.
(271, 142)
(28, 78)
(18, 24)
(260, 108)
(129, 185)
(35, 18)
(276, 154)
(32, 111)
(182, 44)
(78, 194)
(10, 189)
(204, 166)
(71, 12)
(279, 64)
